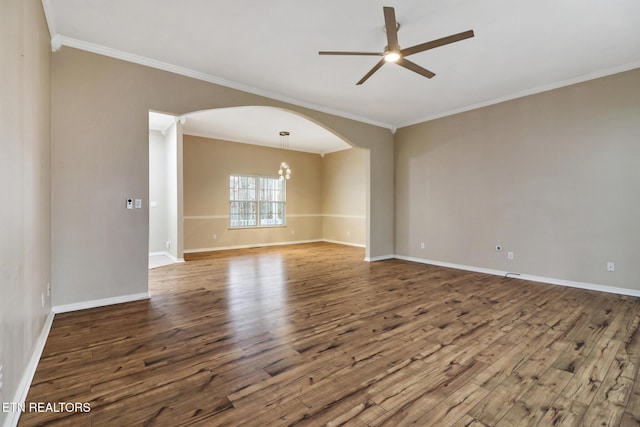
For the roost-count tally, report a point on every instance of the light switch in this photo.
(138, 203)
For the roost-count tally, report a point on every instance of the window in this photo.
(256, 201)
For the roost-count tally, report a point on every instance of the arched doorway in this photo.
(327, 196)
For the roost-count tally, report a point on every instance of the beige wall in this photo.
(553, 177)
(100, 156)
(344, 196)
(25, 198)
(326, 198)
(207, 166)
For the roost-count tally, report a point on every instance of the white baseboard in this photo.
(99, 302)
(30, 370)
(581, 285)
(379, 258)
(533, 278)
(254, 245)
(173, 258)
(168, 255)
(338, 242)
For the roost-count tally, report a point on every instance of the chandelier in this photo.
(285, 170)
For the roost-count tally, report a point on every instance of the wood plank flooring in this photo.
(311, 335)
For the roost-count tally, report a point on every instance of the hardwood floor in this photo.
(312, 335)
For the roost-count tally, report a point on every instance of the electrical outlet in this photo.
(48, 289)
(168, 244)
(1, 378)
(510, 255)
(215, 237)
(421, 245)
(611, 266)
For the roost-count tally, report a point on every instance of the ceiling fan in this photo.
(393, 53)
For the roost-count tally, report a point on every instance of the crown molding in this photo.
(533, 91)
(58, 40)
(245, 141)
(48, 16)
(187, 72)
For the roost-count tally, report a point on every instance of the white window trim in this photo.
(257, 201)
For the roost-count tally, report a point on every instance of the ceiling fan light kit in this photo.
(393, 53)
(391, 56)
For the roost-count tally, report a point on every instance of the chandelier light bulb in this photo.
(285, 170)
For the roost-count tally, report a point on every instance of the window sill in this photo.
(257, 226)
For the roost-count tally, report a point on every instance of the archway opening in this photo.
(327, 197)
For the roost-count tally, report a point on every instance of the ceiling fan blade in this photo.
(350, 53)
(415, 68)
(391, 27)
(370, 73)
(437, 43)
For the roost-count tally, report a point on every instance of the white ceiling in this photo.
(271, 47)
(254, 125)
